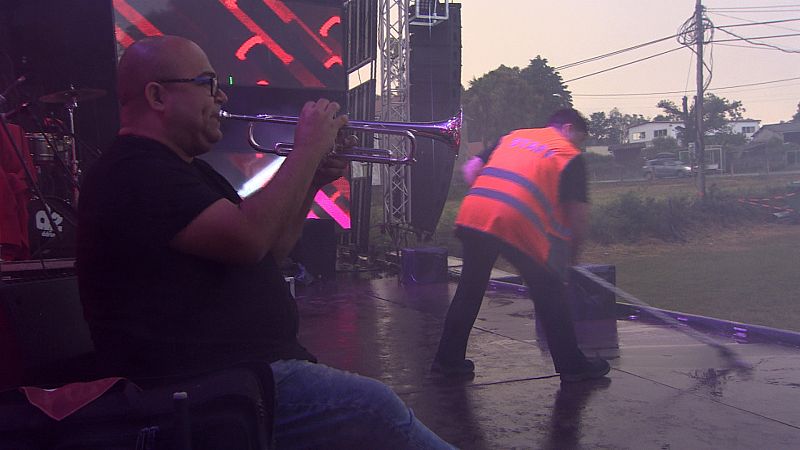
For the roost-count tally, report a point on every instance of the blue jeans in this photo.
(317, 406)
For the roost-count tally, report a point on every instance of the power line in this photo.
(773, 36)
(631, 94)
(685, 31)
(768, 22)
(754, 22)
(616, 52)
(685, 37)
(623, 65)
(749, 40)
(761, 8)
(755, 7)
(759, 11)
(751, 47)
(655, 41)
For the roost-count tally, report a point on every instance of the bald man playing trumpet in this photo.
(178, 274)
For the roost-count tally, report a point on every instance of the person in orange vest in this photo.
(529, 203)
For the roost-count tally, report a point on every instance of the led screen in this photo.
(282, 44)
(270, 56)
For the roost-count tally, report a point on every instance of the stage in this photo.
(665, 389)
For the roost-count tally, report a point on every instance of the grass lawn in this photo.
(750, 274)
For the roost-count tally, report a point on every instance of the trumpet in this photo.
(447, 131)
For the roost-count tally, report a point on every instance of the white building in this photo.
(646, 132)
(747, 127)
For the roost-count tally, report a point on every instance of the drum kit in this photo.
(55, 187)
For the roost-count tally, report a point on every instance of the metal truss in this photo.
(393, 47)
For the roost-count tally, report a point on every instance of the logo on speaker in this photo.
(45, 226)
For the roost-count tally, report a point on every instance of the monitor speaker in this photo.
(589, 300)
(423, 265)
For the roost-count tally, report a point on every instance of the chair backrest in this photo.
(42, 330)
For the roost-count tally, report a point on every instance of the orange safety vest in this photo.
(515, 197)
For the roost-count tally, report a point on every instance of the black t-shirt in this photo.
(153, 310)
(572, 185)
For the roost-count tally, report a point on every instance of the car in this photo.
(666, 168)
(710, 169)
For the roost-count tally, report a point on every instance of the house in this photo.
(646, 132)
(786, 132)
(747, 127)
(627, 153)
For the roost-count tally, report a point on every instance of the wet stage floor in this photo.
(665, 390)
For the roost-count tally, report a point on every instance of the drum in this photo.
(54, 238)
(44, 152)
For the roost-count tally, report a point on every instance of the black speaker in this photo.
(589, 300)
(316, 249)
(41, 326)
(435, 93)
(423, 265)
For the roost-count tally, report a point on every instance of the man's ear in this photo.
(153, 93)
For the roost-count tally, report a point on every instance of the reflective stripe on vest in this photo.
(519, 205)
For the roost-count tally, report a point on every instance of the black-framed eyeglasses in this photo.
(210, 80)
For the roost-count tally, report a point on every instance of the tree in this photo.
(663, 145)
(726, 139)
(613, 128)
(717, 112)
(796, 117)
(548, 91)
(509, 98)
(599, 129)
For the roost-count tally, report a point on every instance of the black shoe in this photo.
(592, 368)
(461, 368)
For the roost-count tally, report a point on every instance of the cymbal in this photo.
(78, 95)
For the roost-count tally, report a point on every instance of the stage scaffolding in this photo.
(394, 17)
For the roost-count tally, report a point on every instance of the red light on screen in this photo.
(122, 37)
(260, 36)
(326, 27)
(136, 19)
(262, 83)
(287, 16)
(331, 61)
(328, 204)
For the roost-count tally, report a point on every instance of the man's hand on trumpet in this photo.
(317, 128)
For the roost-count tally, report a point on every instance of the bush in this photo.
(604, 167)
(632, 218)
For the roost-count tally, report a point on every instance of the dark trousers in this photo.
(546, 290)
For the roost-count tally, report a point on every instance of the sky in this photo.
(512, 32)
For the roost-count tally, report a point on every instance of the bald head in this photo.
(168, 92)
(150, 59)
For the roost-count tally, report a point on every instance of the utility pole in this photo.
(699, 148)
